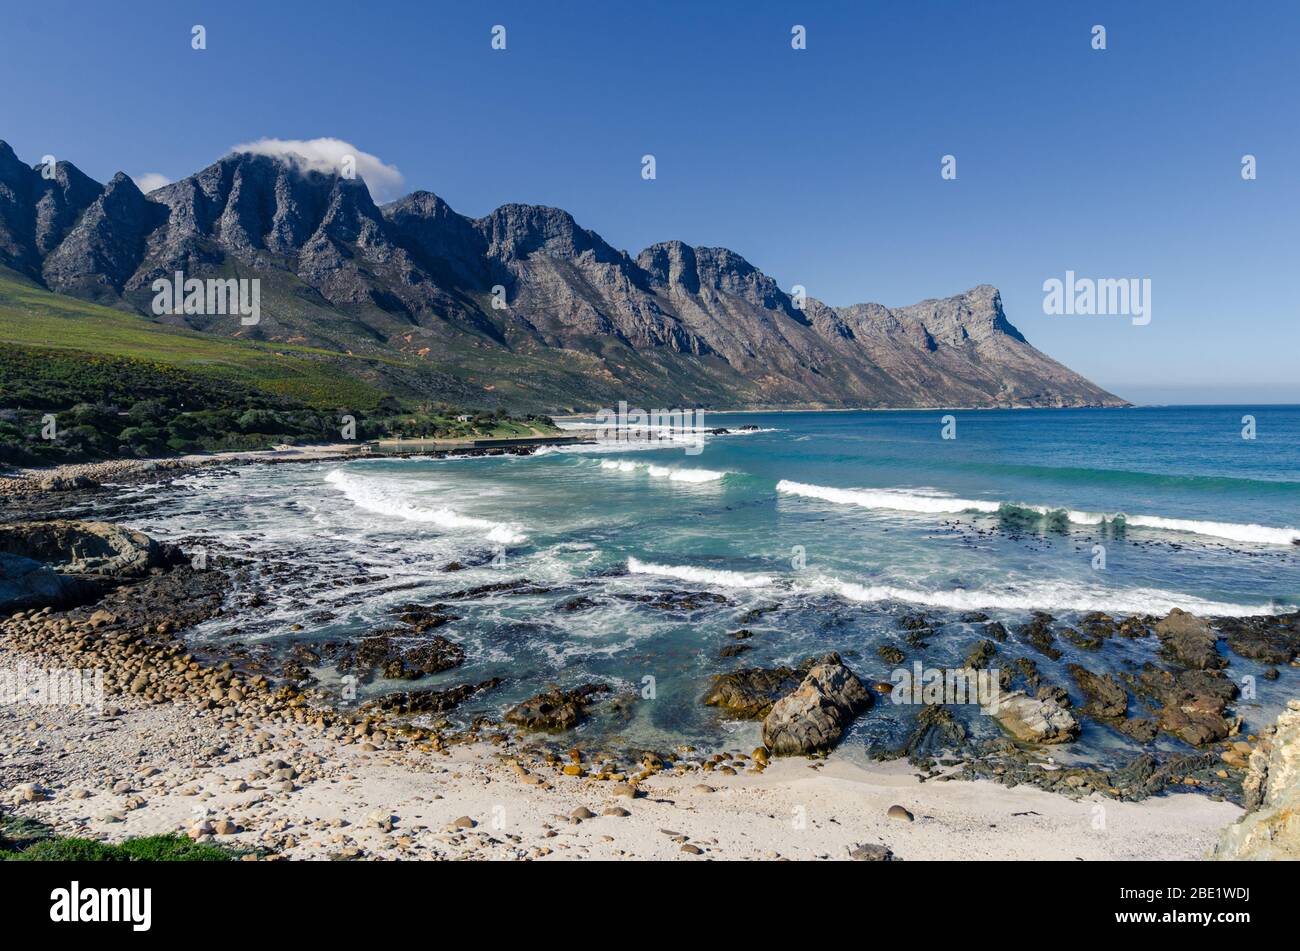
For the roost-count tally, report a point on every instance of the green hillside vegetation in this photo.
(106, 384)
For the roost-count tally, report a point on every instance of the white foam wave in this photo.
(936, 503)
(672, 473)
(1060, 596)
(396, 501)
(902, 500)
(710, 576)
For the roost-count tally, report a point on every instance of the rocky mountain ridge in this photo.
(523, 304)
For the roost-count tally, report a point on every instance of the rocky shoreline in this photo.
(129, 623)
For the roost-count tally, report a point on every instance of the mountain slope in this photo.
(522, 306)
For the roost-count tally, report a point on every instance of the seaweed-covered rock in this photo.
(556, 709)
(981, 655)
(750, 693)
(891, 654)
(1189, 704)
(1038, 634)
(1269, 639)
(410, 702)
(1189, 641)
(399, 656)
(1107, 698)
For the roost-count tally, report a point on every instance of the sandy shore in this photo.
(143, 768)
(172, 753)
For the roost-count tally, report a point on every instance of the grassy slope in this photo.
(461, 371)
(30, 316)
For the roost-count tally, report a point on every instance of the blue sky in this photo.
(820, 166)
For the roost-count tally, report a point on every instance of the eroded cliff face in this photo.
(524, 290)
(1270, 830)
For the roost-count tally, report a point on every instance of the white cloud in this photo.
(150, 181)
(327, 155)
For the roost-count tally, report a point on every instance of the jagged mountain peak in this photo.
(514, 231)
(679, 325)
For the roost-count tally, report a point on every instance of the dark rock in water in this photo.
(996, 630)
(423, 618)
(815, 715)
(750, 693)
(755, 614)
(981, 655)
(453, 566)
(520, 586)
(1107, 698)
(579, 603)
(1189, 641)
(1190, 704)
(1140, 728)
(1058, 695)
(1023, 668)
(1038, 634)
(974, 617)
(1084, 640)
(1269, 640)
(872, 853)
(891, 654)
(555, 709)
(916, 637)
(401, 657)
(686, 601)
(1136, 626)
(742, 634)
(411, 702)
(1098, 624)
(935, 731)
(914, 622)
(733, 650)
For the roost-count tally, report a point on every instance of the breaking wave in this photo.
(710, 576)
(1060, 596)
(671, 473)
(935, 503)
(387, 498)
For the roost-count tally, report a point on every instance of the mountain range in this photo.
(522, 307)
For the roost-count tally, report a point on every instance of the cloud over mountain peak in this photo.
(332, 155)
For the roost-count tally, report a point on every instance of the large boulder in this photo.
(63, 563)
(25, 583)
(89, 549)
(749, 694)
(1189, 641)
(1270, 829)
(1043, 719)
(815, 715)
